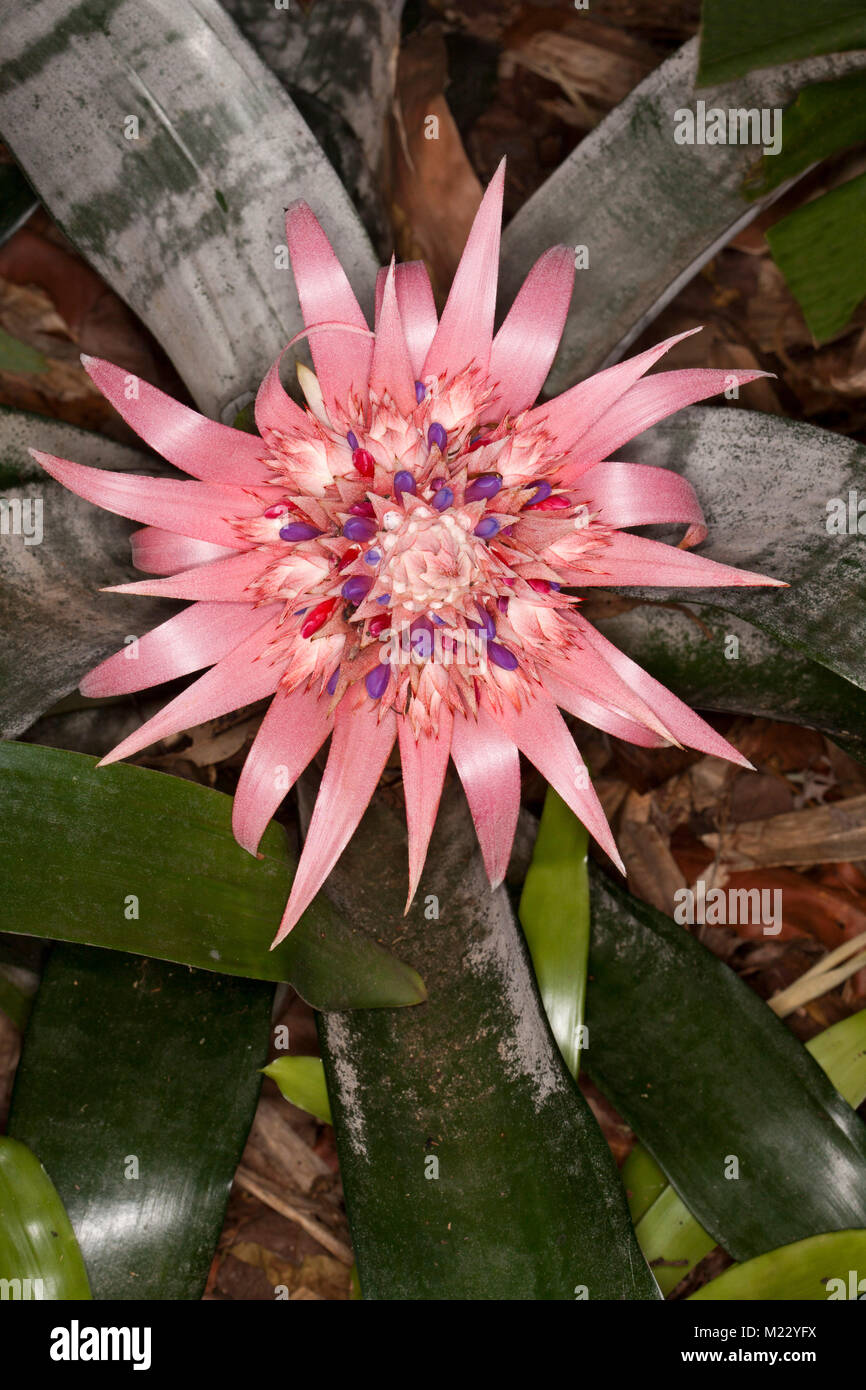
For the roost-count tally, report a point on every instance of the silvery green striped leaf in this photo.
(184, 220)
(651, 212)
(337, 62)
(772, 491)
(56, 552)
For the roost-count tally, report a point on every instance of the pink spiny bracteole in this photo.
(392, 563)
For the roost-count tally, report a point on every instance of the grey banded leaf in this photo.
(781, 498)
(168, 152)
(337, 63)
(56, 553)
(650, 211)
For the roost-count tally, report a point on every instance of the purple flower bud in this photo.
(356, 588)
(486, 624)
(404, 482)
(299, 531)
(442, 499)
(372, 557)
(437, 436)
(377, 680)
(358, 528)
(420, 391)
(485, 485)
(486, 528)
(542, 491)
(352, 440)
(332, 683)
(501, 656)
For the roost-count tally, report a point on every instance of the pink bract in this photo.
(392, 563)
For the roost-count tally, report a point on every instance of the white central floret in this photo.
(431, 561)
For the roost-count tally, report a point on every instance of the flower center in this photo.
(430, 560)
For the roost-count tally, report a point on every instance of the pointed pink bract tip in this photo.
(282, 934)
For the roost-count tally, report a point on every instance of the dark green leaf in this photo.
(136, 860)
(825, 118)
(629, 174)
(554, 914)
(181, 214)
(738, 35)
(473, 1168)
(37, 1243)
(137, 1087)
(704, 1073)
(16, 201)
(669, 1235)
(819, 250)
(15, 1002)
(821, 1267)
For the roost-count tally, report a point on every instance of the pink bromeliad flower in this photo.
(392, 563)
